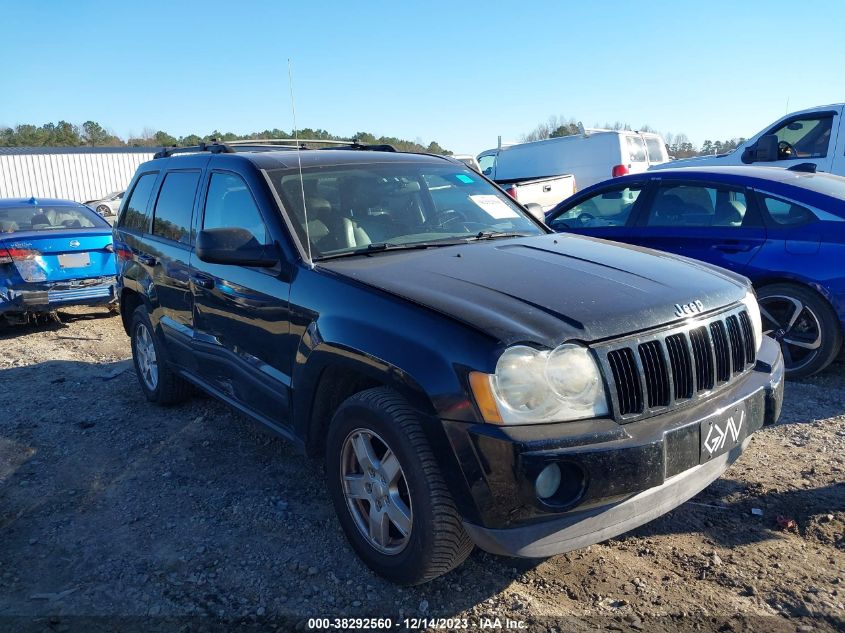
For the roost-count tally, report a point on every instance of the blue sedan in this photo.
(53, 253)
(783, 229)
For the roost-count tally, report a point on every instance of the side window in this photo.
(229, 204)
(697, 205)
(611, 207)
(636, 149)
(804, 138)
(134, 216)
(787, 213)
(172, 215)
(485, 163)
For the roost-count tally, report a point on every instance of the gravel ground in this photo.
(133, 515)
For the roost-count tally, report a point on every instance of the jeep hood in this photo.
(547, 289)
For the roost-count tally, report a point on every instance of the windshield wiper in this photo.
(493, 235)
(380, 247)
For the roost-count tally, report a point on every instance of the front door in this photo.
(242, 315)
(805, 139)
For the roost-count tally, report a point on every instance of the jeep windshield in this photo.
(371, 208)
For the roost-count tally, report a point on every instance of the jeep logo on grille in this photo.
(689, 309)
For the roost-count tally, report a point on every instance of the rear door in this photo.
(709, 221)
(634, 150)
(242, 314)
(166, 252)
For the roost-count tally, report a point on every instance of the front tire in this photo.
(388, 491)
(104, 210)
(158, 381)
(804, 324)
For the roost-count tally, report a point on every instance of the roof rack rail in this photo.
(269, 144)
(215, 147)
(304, 142)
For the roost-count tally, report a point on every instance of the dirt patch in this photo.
(113, 508)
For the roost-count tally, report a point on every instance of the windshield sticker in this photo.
(494, 206)
(464, 179)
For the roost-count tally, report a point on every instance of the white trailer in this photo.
(72, 173)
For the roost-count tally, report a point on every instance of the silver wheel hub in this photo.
(376, 491)
(145, 355)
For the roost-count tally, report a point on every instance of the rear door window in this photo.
(787, 213)
(174, 207)
(134, 216)
(636, 149)
(655, 149)
(697, 206)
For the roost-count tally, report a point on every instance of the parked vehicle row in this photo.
(471, 377)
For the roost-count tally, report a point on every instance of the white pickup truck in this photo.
(813, 138)
(546, 192)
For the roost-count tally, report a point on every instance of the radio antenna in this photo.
(299, 160)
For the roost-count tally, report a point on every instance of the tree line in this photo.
(91, 133)
(678, 145)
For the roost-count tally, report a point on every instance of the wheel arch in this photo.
(332, 375)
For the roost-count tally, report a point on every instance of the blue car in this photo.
(53, 253)
(783, 229)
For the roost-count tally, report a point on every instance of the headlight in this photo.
(750, 302)
(531, 386)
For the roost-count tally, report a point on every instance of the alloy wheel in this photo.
(145, 354)
(376, 491)
(795, 326)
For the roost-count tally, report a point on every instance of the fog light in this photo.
(548, 481)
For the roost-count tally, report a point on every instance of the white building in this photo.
(72, 173)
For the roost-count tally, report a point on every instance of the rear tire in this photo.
(104, 210)
(804, 324)
(158, 381)
(405, 481)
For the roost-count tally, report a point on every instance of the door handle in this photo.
(547, 188)
(732, 247)
(146, 260)
(202, 281)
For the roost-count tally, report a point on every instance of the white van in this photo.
(592, 156)
(812, 139)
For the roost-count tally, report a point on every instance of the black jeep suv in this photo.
(470, 376)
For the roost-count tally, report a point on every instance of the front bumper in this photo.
(46, 296)
(626, 474)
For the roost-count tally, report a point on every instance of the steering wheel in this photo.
(450, 215)
(586, 218)
(786, 150)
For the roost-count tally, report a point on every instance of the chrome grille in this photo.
(653, 373)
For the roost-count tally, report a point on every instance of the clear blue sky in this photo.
(460, 73)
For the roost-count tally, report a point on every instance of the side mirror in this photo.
(764, 150)
(536, 210)
(234, 247)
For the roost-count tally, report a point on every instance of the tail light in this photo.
(511, 191)
(619, 170)
(124, 253)
(8, 255)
